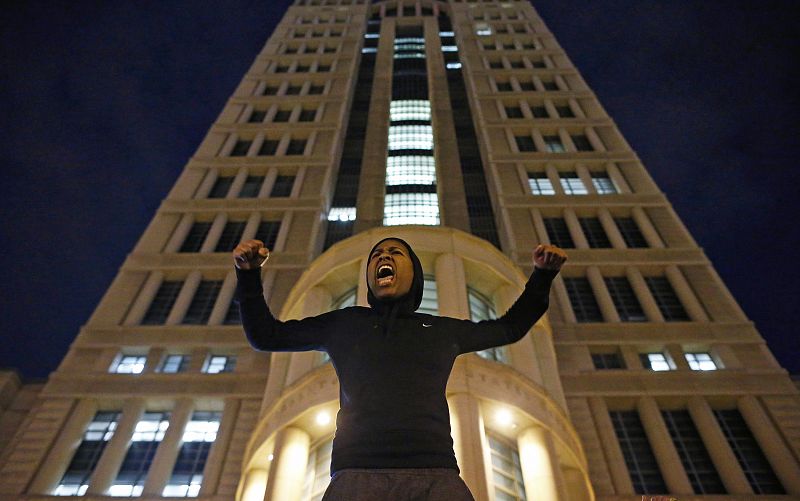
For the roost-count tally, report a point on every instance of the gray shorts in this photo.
(397, 484)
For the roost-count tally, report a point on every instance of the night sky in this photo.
(104, 102)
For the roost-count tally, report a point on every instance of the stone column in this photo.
(223, 300)
(255, 485)
(179, 235)
(288, 466)
(610, 227)
(552, 175)
(361, 291)
(114, 452)
(772, 444)
(575, 484)
(69, 438)
(585, 177)
(649, 232)
(675, 352)
(216, 455)
(145, 297)
(685, 294)
(184, 298)
(717, 445)
(468, 437)
(214, 233)
(538, 225)
(251, 227)
(207, 184)
(562, 297)
(601, 294)
(283, 232)
(617, 177)
(643, 294)
(238, 182)
(167, 452)
(664, 450)
(540, 469)
(451, 286)
(575, 229)
(609, 441)
(269, 182)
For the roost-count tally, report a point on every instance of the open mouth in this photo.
(384, 275)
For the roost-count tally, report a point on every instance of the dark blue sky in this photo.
(104, 102)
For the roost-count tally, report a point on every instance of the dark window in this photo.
(666, 299)
(328, 50)
(316, 89)
(192, 456)
(607, 361)
(514, 112)
(267, 232)
(240, 148)
(639, 458)
(538, 64)
(293, 90)
(195, 238)
(296, 147)
(282, 187)
(594, 232)
(558, 232)
(504, 87)
(231, 236)
(221, 187)
(337, 230)
(409, 11)
(290, 50)
(517, 64)
(308, 115)
(301, 68)
(694, 456)
(280, 116)
(565, 112)
(257, 116)
(549, 85)
(141, 451)
(754, 464)
(251, 187)
(625, 300)
(496, 65)
(232, 316)
(162, 303)
(582, 143)
(202, 302)
(270, 90)
(539, 112)
(525, 143)
(630, 232)
(581, 297)
(527, 86)
(268, 147)
(323, 68)
(83, 462)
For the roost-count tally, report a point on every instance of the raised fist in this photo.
(250, 254)
(548, 257)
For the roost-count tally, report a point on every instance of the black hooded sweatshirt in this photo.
(393, 365)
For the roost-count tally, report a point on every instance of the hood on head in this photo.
(409, 302)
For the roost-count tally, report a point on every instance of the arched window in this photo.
(345, 300)
(481, 308)
(318, 471)
(506, 470)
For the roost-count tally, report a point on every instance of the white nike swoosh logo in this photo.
(426, 325)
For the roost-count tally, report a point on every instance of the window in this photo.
(267, 232)
(540, 184)
(410, 169)
(251, 187)
(481, 308)
(430, 297)
(410, 137)
(323, 68)
(345, 300)
(527, 86)
(198, 437)
(572, 184)
(656, 361)
(270, 90)
(755, 466)
(625, 300)
(194, 240)
(280, 116)
(517, 64)
(582, 143)
(316, 89)
(301, 68)
(318, 468)
(268, 147)
(174, 364)
(639, 458)
(496, 65)
(603, 184)
(594, 232)
(296, 147)
(257, 116)
(698, 465)
(525, 143)
(565, 112)
(581, 297)
(232, 316)
(342, 214)
(216, 364)
(410, 109)
(539, 112)
(221, 187)
(504, 87)
(281, 68)
(630, 233)
(307, 115)
(514, 112)
(549, 85)
(231, 236)
(558, 232)
(603, 361)
(241, 148)
(149, 432)
(202, 302)
(666, 299)
(76, 479)
(553, 144)
(506, 469)
(411, 208)
(282, 187)
(293, 90)
(700, 361)
(162, 302)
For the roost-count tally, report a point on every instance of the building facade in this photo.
(462, 127)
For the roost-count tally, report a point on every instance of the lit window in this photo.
(453, 66)
(342, 214)
(603, 184)
(410, 45)
(409, 40)
(372, 35)
(481, 308)
(409, 55)
(216, 364)
(446, 34)
(572, 184)
(430, 297)
(553, 144)
(149, 432)
(76, 479)
(345, 300)
(411, 208)
(540, 184)
(369, 50)
(506, 469)
(318, 469)
(655, 362)
(174, 363)
(128, 364)
(700, 361)
(449, 48)
(410, 109)
(410, 137)
(414, 169)
(483, 30)
(187, 475)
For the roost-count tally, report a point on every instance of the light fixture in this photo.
(323, 418)
(503, 416)
(270, 457)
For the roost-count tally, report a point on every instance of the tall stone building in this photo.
(462, 127)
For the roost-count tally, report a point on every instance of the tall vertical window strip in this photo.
(506, 470)
(558, 232)
(639, 458)
(318, 471)
(430, 297)
(159, 309)
(198, 437)
(132, 474)
(754, 464)
(479, 203)
(76, 479)
(698, 465)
